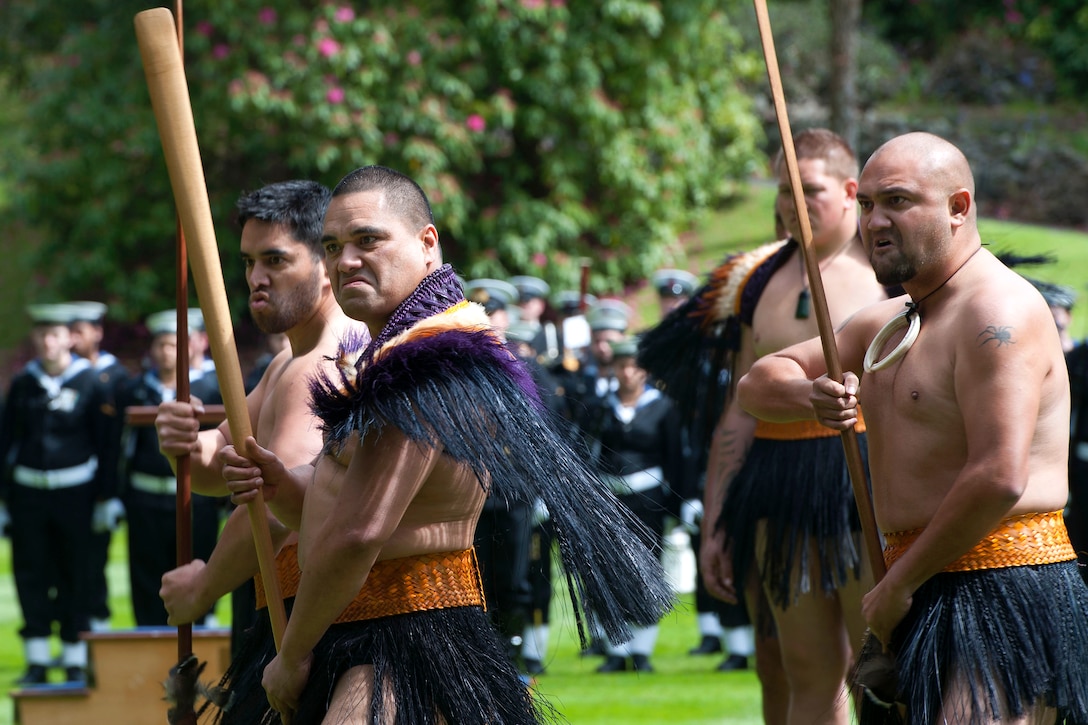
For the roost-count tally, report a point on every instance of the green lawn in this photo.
(684, 690)
(749, 223)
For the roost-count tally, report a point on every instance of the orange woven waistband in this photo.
(286, 570)
(1024, 540)
(416, 584)
(800, 430)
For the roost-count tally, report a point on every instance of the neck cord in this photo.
(913, 306)
(911, 319)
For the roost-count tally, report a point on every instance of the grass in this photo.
(748, 223)
(683, 691)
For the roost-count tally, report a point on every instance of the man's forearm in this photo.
(234, 559)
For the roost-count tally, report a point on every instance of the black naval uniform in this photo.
(639, 455)
(113, 375)
(59, 458)
(150, 497)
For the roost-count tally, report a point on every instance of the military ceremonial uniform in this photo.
(59, 459)
(113, 374)
(639, 454)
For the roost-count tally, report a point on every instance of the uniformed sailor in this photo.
(532, 303)
(59, 461)
(87, 332)
(150, 490)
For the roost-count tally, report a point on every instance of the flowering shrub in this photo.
(544, 131)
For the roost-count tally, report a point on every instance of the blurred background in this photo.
(545, 131)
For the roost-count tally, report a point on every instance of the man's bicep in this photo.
(998, 383)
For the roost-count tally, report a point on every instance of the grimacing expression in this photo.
(284, 276)
(373, 258)
(903, 224)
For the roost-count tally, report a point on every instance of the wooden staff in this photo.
(854, 464)
(183, 518)
(157, 38)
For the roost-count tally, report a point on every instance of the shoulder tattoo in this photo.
(999, 335)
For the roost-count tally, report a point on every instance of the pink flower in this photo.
(475, 123)
(335, 95)
(532, 4)
(267, 16)
(540, 259)
(391, 139)
(344, 14)
(328, 47)
(414, 57)
(220, 51)
(204, 28)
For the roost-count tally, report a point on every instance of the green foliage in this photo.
(543, 130)
(1014, 43)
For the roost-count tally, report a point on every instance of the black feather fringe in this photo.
(818, 510)
(1006, 638)
(692, 363)
(466, 679)
(462, 391)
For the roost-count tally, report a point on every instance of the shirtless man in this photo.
(289, 293)
(389, 619)
(968, 431)
(777, 497)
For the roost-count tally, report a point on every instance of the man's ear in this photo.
(850, 187)
(429, 237)
(959, 206)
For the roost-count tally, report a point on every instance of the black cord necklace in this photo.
(804, 299)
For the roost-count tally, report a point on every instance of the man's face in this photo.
(904, 225)
(532, 309)
(52, 343)
(285, 279)
(828, 200)
(164, 352)
(373, 259)
(629, 376)
(599, 347)
(86, 337)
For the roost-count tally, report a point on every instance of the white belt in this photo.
(635, 482)
(1082, 451)
(57, 477)
(154, 484)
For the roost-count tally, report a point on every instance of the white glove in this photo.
(5, 519)
(540, 513)
(107, 515)
(691, 515)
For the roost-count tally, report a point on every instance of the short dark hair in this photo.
(821, 143)
(298, 205)
(403, 195)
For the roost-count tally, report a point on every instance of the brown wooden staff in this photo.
(854, 463)
(157, 37)
(184, 695)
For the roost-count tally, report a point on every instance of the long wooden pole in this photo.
(854, 463)
(183, 516)
(157, 38)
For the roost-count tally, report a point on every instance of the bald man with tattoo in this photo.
(966, 403)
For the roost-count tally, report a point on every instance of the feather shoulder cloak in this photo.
(438, 373)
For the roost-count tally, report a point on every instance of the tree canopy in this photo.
(544, 131)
